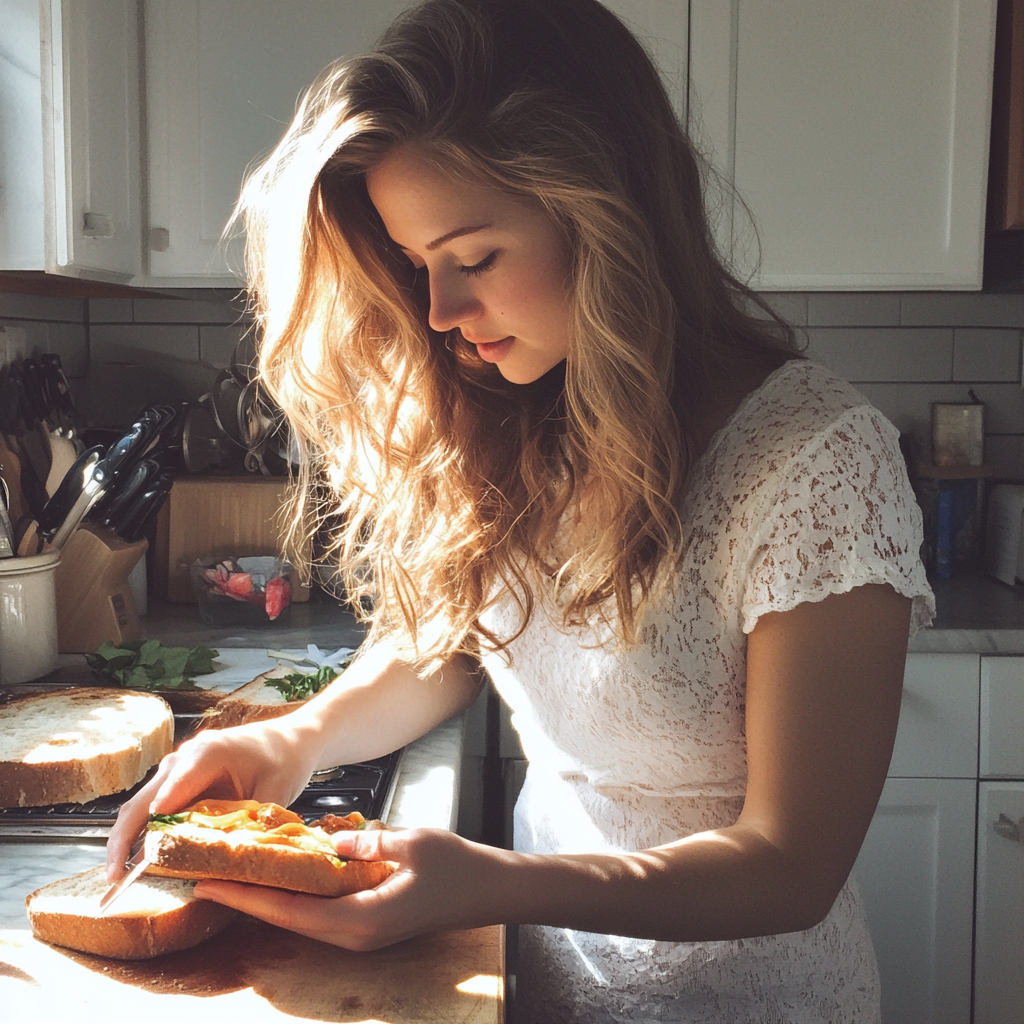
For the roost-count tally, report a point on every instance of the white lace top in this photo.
(803, 494)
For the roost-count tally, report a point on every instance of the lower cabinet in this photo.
(916, 876)
(999, 939)
(941, 870)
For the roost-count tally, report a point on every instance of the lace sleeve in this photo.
(843, 516)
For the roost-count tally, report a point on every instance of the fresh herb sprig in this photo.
(148, 665)
(302, 685)
(162, 821)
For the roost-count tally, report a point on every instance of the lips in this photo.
(493, 351)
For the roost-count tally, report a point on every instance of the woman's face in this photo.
(498, 267)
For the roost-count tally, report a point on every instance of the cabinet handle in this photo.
(98, 225)
(1010, 829)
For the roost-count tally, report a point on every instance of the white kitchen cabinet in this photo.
(916, 867)
(999, 937)
(72, 187)
(915, 873)
(222, 82)
(999, 942)
(857, 133)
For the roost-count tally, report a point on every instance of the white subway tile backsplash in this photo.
(217, 309)
(884, 353)
(791, 306)
(41, 307)
(110, 311)
(136, 343)
(217, 342)
(113, 394)
(853, 309)
(986, 353)
(909, 407)
(961, 309)
(1006, 454)
(33, 335)
(69, 342)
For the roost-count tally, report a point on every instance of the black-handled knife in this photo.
(56, 510)
(134, 523)
(123, 492)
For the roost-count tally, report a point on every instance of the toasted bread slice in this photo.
(152, 916)
(254, 702)
(74, 745)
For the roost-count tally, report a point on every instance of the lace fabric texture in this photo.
(801, 495)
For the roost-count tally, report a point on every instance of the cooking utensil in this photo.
(18, 425)
(32, 375)
(58, 393)
(137, 864)
(62, 458)
(10, 473)
(63, 499)
(204, 446)
(145, 508)
(123, 492)
(7, 549)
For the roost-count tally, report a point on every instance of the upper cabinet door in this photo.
(90, 121)
(222, 82)
(857, 134)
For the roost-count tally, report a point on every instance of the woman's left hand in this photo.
(439, 883)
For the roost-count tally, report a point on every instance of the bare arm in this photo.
(378, 705)
(823, 697)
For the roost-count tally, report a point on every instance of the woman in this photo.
(563, 447)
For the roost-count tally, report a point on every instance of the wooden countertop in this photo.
(254, 972)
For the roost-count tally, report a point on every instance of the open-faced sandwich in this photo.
(262, 843)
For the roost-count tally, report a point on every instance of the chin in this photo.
(526, 374)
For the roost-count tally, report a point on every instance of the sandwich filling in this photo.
(249, 822)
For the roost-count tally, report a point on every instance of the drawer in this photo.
(938, 731)
(1002, 718)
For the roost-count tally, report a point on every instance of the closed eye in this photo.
(482, 267)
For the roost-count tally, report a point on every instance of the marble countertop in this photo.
(975, 615)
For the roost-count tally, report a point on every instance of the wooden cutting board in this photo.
(254, 972)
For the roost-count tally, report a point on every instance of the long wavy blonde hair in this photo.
(449, 483)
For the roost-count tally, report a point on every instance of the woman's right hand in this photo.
(265, 761)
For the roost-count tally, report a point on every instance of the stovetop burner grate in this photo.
(366, 787)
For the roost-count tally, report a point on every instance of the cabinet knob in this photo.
(1009, 829)
(159, 239)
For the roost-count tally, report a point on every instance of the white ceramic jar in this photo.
(28, 617)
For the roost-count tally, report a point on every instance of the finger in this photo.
(131, 819)
(189, 778)
(298, 912)
(375, 844)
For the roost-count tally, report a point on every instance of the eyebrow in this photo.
(457, 233)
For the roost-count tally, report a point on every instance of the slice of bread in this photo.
(190, 851)
(152, 916)
(254, 702)
(71, 746)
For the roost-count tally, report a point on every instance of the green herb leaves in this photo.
(301, 685)
(148, 665)
(159, 822)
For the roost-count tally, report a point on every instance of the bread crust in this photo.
(89, 776)
(125, 936)
(182, 855)
(256, 701)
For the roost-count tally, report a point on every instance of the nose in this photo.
(452, 303)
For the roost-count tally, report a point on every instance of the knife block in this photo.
(94, 600)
